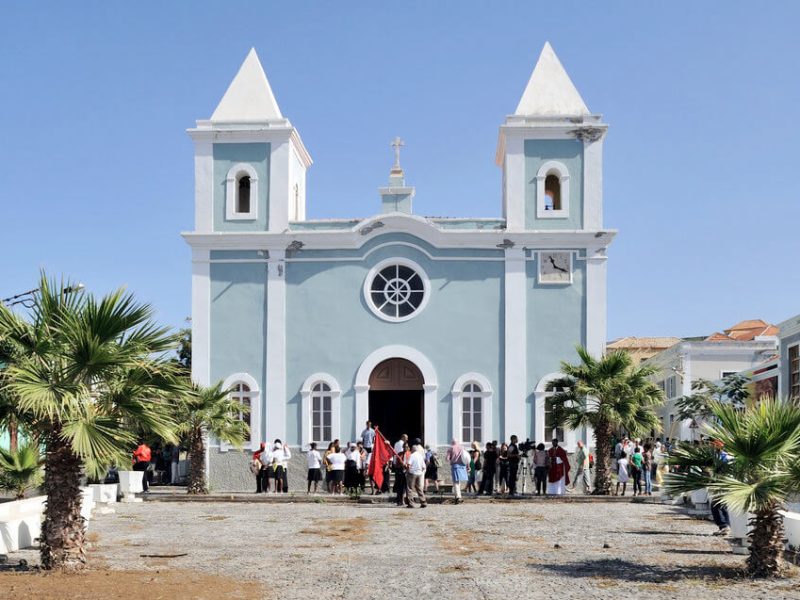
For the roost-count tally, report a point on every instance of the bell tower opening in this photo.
(396, 399)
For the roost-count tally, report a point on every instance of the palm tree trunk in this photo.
(766, 543)
(602, 460)
(13, 434)
(62, 538)
(197, 464)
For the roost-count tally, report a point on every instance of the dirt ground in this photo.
(104, 584)
(488, 550)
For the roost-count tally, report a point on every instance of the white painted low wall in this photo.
(791, 527)
(21, 520)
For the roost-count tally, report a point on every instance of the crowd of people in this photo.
(414, 469)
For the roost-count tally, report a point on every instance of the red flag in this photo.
(381, 454)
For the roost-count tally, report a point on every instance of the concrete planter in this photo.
(105, 493)
(130, 484)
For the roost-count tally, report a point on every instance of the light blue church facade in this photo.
(438, 327)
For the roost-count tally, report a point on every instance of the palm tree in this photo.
(605, 394)
(20, 469)
(763, 440)
(208, 411)
(85, 369)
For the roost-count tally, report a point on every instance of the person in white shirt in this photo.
(314, 467)
(279, 465)
(266, 461)
(336, 459)
(415, 475)
(400, 444)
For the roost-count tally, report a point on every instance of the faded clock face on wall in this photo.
(555, 267)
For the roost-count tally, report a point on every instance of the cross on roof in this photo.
(397, 144)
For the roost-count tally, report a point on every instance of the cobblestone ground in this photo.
(491, 550)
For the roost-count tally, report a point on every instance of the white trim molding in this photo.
(231, 192)
(515, 335)
(404, 262)
(540, 394)
(305, 402)
(552, 167)
(457, 406)
(255, 408)
(430, 386)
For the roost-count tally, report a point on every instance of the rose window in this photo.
(397, 291)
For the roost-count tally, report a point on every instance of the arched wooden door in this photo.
(396, 399)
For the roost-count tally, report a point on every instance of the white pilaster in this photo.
(201, 317)
(596, 311)
(515, 184)
(275, 393)
(279, 184)
(203, 186)
(685, 367)
(515, 343)
(593, 184)
(430, 411)
(201, 325)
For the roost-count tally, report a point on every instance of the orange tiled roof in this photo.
(644, 342)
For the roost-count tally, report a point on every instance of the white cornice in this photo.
(789, 327)
(398, 223)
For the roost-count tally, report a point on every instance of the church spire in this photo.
(550, 91)
(249, 97)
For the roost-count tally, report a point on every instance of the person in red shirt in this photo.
(141, 460)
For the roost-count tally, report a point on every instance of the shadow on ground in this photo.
(637, 572)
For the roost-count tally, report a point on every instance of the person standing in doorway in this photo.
(558, 471)
(368, 437)
(582, 466)
(456, 456)
(141, 462)
(401, 445)
(415, 474)
(513, 465)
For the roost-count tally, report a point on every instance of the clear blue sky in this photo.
(701, 169)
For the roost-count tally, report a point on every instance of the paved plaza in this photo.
(488, 550)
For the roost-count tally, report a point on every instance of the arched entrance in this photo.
(396, 399)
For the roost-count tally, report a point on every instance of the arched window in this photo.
(472, 413)
(241, 392)
(243, 194)
(552, 192)
(321, 413)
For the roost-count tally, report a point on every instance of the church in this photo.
(440, 328)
